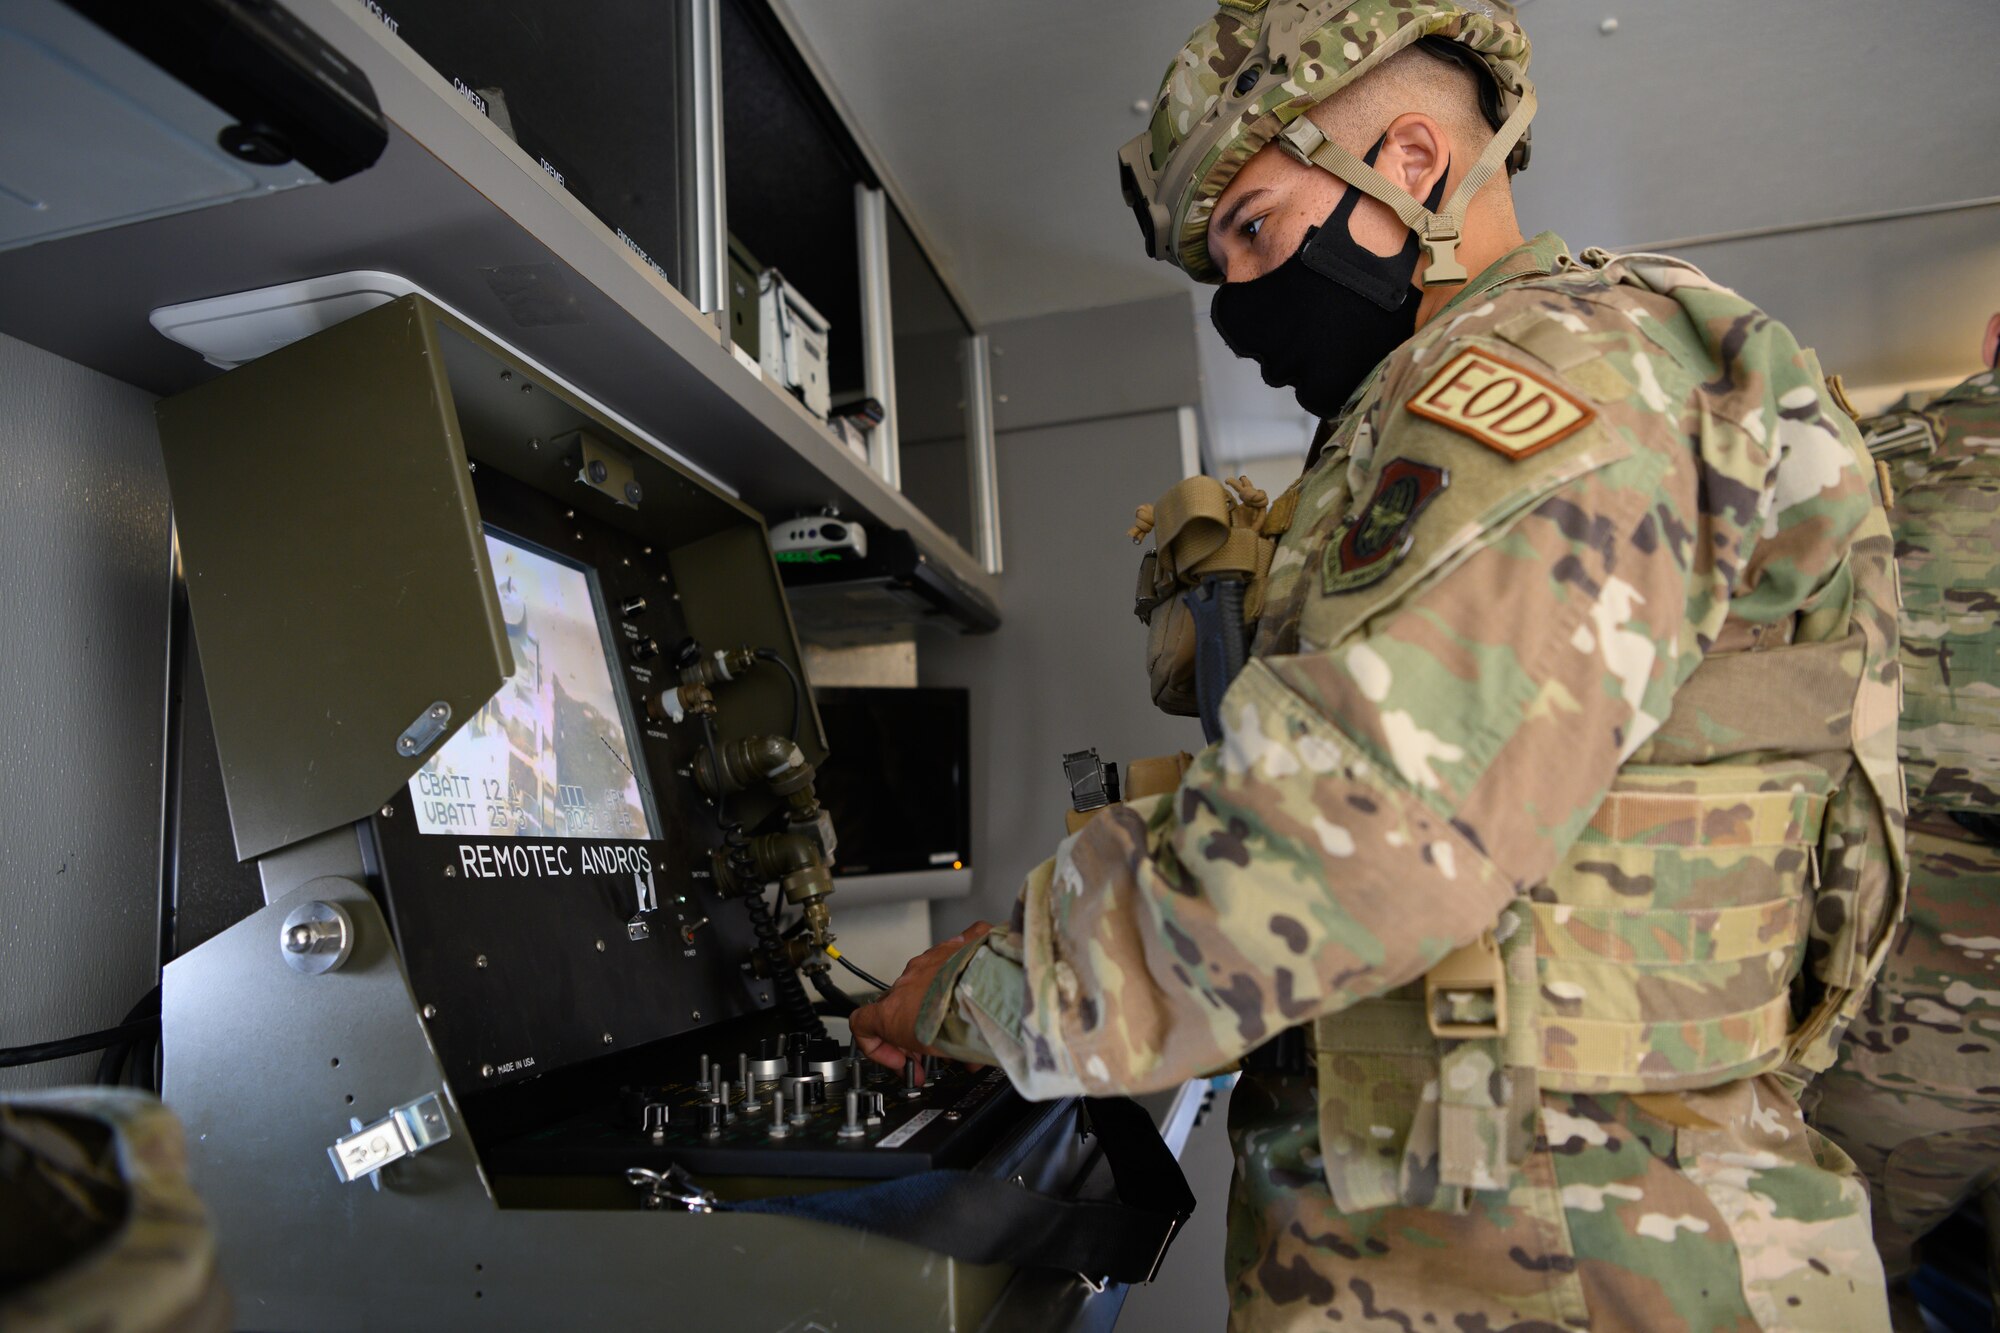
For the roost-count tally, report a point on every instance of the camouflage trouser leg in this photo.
(1736, 1218)
(1923, 1157)
(1916, 1096)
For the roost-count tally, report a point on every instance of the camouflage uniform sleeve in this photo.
(1434, 746)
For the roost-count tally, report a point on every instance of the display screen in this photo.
(550, 755)
(895, 778)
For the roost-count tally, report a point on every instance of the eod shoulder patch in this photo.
(1510, 410)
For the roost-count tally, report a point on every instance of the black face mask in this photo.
(1319, 322)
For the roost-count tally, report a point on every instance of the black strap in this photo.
(1980, 825)
(1216, 604)
(983, 1220)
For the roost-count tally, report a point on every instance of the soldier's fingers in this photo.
(977, 930)
(864, 1026)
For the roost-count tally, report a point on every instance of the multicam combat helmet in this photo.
(1250, 74)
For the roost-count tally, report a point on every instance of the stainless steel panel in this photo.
(267, 1067)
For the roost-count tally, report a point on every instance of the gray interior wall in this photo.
(84, 584)
(1095, 400)
(1066, 669)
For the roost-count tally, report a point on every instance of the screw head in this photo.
(696, 1015)
(633, 493)
(506, 376)
(450, 871)
(600, 946)
(598, 472)
(255, 143)
(607, 1039)
(479, 961)
(430, 1011)
(486, 1071)
(388, 812)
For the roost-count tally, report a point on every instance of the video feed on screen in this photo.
(550, 755)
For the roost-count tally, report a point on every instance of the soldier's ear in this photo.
(1415, 152)
(1989, 350)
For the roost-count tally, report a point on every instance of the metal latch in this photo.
(671, 1188)
(1471, 970)
(410, 1128)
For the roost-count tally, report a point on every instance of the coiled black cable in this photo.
(839, 1002)
(792, 999)
(793, 1002)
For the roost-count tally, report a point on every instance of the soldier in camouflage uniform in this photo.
(1565, 754)
(1916, 1096)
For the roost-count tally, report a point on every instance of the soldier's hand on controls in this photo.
(886, 1030)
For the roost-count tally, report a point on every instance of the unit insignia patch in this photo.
(1512, 411)
(1379, 536)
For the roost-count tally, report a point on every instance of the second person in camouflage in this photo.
(1574, 690)
(1916, 1097)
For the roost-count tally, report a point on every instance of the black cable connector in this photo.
(798, 689)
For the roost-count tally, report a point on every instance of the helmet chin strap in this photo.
(1439, 232)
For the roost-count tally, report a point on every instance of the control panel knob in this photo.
(632, 608)
(769, 1060)
(851, 1128)
(645, 650)
(826, 1059)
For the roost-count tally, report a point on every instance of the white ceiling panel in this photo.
(1000, 123)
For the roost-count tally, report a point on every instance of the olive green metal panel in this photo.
(335, 569)
(513, 418)
(731, 594)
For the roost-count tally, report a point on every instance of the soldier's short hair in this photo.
(1411, 80)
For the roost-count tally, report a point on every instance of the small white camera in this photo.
(818, 539)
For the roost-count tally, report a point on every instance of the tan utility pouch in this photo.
(1200, 528)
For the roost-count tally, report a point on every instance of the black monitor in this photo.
(897, 780)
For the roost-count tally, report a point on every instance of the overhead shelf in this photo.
(456, 207)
